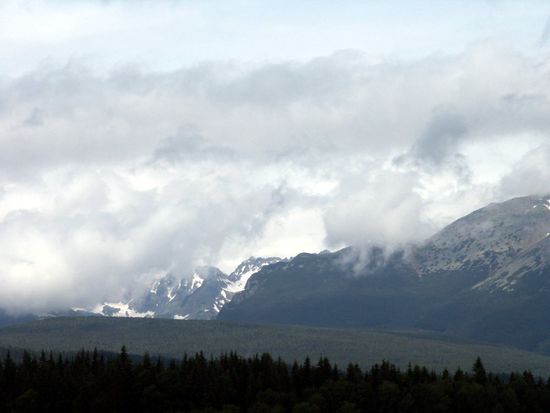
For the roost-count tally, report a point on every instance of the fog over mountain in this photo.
(134, 142)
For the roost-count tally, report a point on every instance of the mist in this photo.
(111, 177)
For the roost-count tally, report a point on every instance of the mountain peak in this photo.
(201, 295)
(486, 238)
(246, 269)
(208, 272)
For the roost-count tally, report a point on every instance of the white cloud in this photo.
(107, 178)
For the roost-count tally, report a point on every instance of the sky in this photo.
(139, 138)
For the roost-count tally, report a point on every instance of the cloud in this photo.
(441, 138)
(380, 209)
(545, 35)
(107, 180)
(531, 174)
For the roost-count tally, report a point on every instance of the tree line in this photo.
(93, 382)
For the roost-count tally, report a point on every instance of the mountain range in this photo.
(485, 277)
(199, 296)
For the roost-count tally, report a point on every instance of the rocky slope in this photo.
(485, 276)
(199, 296)
(488, 238)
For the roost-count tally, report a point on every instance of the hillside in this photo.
(485, 277)
(173, 338)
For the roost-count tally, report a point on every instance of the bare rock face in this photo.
(487, 239)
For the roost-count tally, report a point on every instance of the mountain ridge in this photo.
(485, 276)
(455, 282)
(198, 296)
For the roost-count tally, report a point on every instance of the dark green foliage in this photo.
(89, 382)
(171, 338)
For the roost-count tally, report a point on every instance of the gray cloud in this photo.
(441, 138)
(36, 118)
(187, 143)
(108, 180)
(530, 175)
(545, 35)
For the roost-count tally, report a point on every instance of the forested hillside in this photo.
(173, 338)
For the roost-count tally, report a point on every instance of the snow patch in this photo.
(246, 270)
(196, 281)
(154, 287)
(171, 293)
(121, 309)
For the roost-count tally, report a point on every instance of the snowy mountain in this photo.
(199, 296)
(485, 276)
(247, 269)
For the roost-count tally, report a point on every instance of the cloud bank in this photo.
(109, 179)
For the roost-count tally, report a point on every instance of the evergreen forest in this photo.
(94, 382)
